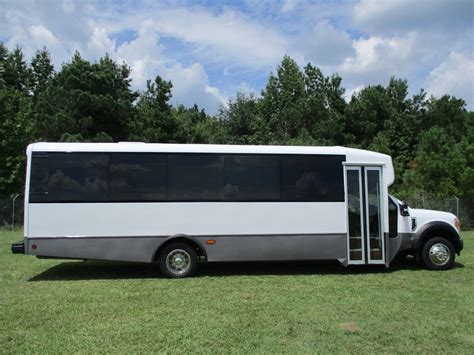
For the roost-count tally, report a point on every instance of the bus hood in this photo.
(425, 216)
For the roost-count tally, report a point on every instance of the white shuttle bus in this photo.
(175, 204)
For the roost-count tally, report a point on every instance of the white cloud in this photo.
(246, 89)
(349, 93)
(37, 37)
(228, 36)
(43, 36)
(191, 85)
(453, 77)
(146, 57)
(100, 43)
(390, 16)
(325, 45)
(146, 42)
(289, 5)
(68, 7)
(376, 58)
(144, 54)
(34, 24)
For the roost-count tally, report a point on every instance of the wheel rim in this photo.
(439, 254)
(178, 261)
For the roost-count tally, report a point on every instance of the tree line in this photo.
(431, 140)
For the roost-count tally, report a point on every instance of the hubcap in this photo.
(178, 261)
(439, 254)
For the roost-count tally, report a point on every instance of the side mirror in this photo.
(404, 209)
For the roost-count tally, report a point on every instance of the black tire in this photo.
(438, 254)
(175, 255)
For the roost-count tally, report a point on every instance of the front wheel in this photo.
(178, 260)
(438, 254)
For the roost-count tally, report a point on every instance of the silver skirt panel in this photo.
(226, 248)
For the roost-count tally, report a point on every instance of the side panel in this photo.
(277, 247)
(137, 249)
(402, 242)
(243, 231)
(165, 219)
(394, 245)
(226, 248)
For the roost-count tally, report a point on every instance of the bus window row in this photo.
(137, 177)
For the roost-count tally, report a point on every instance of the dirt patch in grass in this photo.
(470, 338)
(350, 327)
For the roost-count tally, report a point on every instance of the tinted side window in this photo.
(137, 177)
(195, 177)
(252, 178)
(392, 219)
(76, 177)
(312, 178)
(39, 178)
(88, 177)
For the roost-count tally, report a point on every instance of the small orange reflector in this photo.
(457, 224)
(33, 247)
(211, 241)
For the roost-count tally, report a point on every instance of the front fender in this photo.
(425, 231)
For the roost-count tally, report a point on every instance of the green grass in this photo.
(75, 306)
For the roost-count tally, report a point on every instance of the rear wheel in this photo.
(178, 260)
(438, 254)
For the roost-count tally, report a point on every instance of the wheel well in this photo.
(200, 251)
(440, 231)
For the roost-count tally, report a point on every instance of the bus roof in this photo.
(353, 156)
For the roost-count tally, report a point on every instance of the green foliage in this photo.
(282, 101)
(366, 115)
(15, 73)
(86, 99)
(324, 107)
(439, 161)
(243, 121)
(154, 121)
(16, 125)
(195, 126)
(446, 166)
(430, 140)
(42, 71)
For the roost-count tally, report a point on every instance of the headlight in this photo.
(457, 224)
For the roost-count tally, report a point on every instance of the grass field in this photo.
(75, 306)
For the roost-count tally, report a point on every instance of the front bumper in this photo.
(18, 248)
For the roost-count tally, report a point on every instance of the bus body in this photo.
(174, 203)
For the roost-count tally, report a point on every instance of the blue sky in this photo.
(212, 49)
